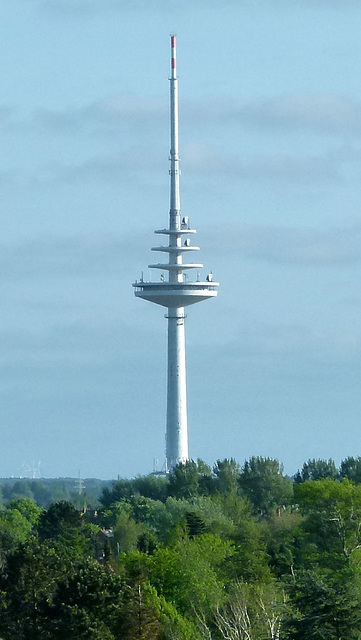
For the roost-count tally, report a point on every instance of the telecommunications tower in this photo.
(176, 291)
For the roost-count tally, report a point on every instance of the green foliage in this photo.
(263, 482)
(141, 613)
(282, 535)
(175, 626)
(26, 585)
(22, 489)
(86, 604)
(190, 574)
(14, 528)
(185, 479)
(150, 486)
(215, 515)
(171, 517)
(227, 473)
(249, 561)
(126, 534)
(195, 524)
(226, 553)
(351, 469)
(108, 517)
(316, 470)
(28, 508)
(324, 606)
(120, 490)
(48, 490)
(59, 519)
(332, 520)
(16, 524)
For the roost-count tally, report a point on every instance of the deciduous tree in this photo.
(264, 484)
(316, 470)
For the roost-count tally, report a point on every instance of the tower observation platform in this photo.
(176, 291)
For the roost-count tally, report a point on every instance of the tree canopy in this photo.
(229, 552)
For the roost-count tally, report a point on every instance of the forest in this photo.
(229, 552)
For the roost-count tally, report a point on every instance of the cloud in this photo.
(136, 126)
(137, 163)
(291, 169)
(283, 342)
(77, 256)
(103, 118)
(68, 317)
(104, 115)
(334, 114)
(95, 170)
(123, 129)
(142, 162)
(283, 167)
(293, 246)
(329, 113)
(318, 113)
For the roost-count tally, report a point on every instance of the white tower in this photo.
(176, 292)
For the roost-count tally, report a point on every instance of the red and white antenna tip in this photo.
(173, 40)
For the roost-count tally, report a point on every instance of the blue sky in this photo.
(270, 137)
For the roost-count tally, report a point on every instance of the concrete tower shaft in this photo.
(176, 291)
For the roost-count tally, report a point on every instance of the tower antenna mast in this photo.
(176, 292)
(174, 210)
